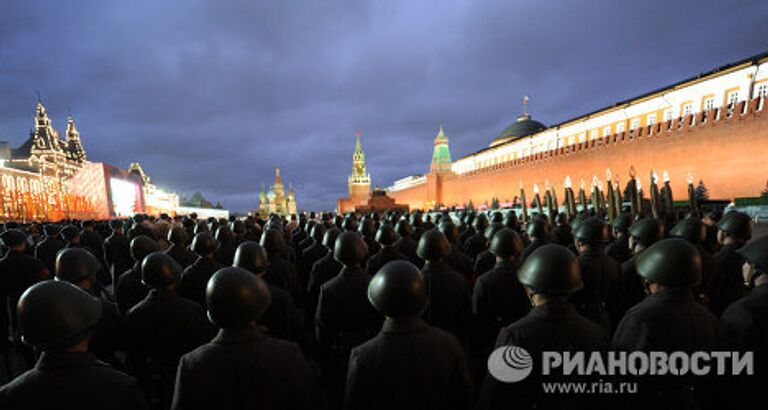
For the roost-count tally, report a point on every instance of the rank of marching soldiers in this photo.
(510, 364)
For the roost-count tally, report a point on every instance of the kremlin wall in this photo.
(712, 128)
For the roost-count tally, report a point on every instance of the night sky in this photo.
(211, 95)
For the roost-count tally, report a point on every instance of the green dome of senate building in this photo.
(523, 127)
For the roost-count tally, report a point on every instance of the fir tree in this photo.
(701, 193)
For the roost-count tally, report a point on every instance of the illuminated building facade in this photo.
(713, 126)
(50, 178)
(275, 201)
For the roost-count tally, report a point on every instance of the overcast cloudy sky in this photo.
(211, 95)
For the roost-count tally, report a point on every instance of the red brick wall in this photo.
(729, 154)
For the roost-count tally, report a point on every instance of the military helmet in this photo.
(201, 227)
(309, 225)
(141, 246)
(349, 224)
(159, 270)
(451, 231)
(691, 229)
(317, 233)
(491, 230)
(238, 227)
(592, 231)
(480, 223)
(416, 220)
(75, 265)
(671, 262)
(497, 217)
(251, 256)
(204, 244)
(403, 228)
(647, 231)
(178, 236)
(224, 234)
(538, 228)
(13, 237)
(506, 243)
(622, 222)
(433, 245)
(397, 290)
(551, 269)
(69, 232)
(511, 221)
(368, 228)
(272, 240)
(386, 235)
(756, 253)
(56, 314)
(116, 224)
(737, 224)
(350, 249)
(236, 297)
(51, 229)
(329, 239)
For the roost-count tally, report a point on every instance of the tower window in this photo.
(635, 124)
(762, 90)
(652, 119)
(687, 109)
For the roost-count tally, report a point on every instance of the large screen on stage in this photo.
(126, 197)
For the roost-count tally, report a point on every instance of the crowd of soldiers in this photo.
(376, 311)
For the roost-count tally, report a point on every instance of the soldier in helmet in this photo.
(312, 253)
(693, 230)
(91, 239)
(498, 298)
(669, 320)
(466, 228)
(562, 232)
(195, 277)
(550, 275)
(406, 245)
(599, 272)
(386, 237)
(117, 251)
(409, 364)
(642, 234)
(350, 223)
(269, 373)
(306, 238)
(179, 249)
(161, 328)
(486, 260)
(79, 267)
(619, 249)
(418, 226)
(538, 235)
(322, 271)
(745, 321)
(281, 272)
(368, 231)
(46, 250)
(726, 286)
(18, 271)
(225, 252)
(448, 303)
(281, 318)
(70, 234)
(344, 318)
(456, 259)
(58, 319)
(130, 290)
(477, 242)
(140, 227)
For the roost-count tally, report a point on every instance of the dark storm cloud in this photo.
(211, 95)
